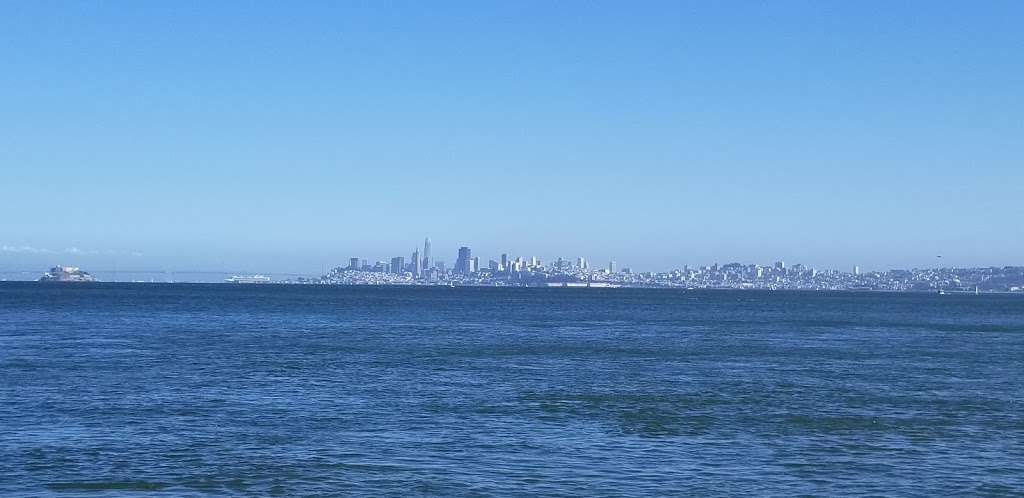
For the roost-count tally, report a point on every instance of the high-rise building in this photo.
(475, 265)
(353, 264)
(417, 263)
(856, 270)
(611, 266)
(398, 265)
(504, 262)
(464, 263)
(581, 262)
(426, 254)
(493, 265)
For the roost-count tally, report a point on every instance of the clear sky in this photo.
(283, 136)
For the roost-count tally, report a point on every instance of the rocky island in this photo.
(66, 274)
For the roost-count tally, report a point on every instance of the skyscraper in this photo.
(504, 262)
(464, 263)
(426, 254)
(353, 264)
(611, 266)
(417, 263)
(582, 263)
(398, 265)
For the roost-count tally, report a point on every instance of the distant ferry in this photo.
(248, 279)
(591, 285)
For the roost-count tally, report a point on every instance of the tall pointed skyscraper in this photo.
(426, 254)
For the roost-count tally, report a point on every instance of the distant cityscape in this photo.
(420, 268)
(506, 270)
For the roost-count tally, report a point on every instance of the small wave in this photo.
(107, 486)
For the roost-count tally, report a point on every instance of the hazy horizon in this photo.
(32, 259)
(287, 139)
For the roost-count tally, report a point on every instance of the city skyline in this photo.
(520, 271)
(533, 272)
(25, 258)
(465, 257)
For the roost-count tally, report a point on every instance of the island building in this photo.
(66, 274)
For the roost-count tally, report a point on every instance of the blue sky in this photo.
(275, 137)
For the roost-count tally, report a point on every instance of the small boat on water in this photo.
(248, 279)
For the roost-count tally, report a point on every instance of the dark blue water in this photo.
(111, 390)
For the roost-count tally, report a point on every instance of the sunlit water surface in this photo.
(115, 389)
